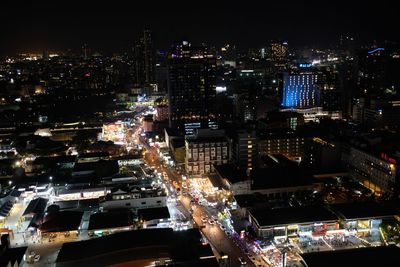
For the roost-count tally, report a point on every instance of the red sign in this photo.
(384, 156)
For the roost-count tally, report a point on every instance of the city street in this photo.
(218, 238)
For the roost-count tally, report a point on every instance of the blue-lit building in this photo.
(300, 90)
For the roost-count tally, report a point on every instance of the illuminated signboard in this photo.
(305, 65)
(384, 156)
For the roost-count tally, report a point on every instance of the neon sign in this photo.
(305, 65)
(376, 50)
(384, 156)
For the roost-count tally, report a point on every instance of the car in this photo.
(36, 258)
(242, 261)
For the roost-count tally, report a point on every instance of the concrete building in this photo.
(282, 141)
(244, 147)
(136, 198)
(378, 172)
(162, 113)
(191, 87)
(275, 182)
(204, 150)
(310, 221)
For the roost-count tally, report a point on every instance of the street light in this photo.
(9, 182)
(50, 178)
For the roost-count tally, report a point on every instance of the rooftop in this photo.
(368, 257)
(363, 210)
(120, 248)
(111, 219)
(12, 255)
(265, 178)
(61, 221)
(292, 215)
(36, 206)
(153, 213)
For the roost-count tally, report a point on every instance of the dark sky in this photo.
(114, 24)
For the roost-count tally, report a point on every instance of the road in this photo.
(217, 238)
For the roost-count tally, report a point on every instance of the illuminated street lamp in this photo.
(10, 182)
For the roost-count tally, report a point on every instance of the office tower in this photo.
(85, 51)
(300, 90)
(191, 87)
(144, 62)
(328, 84)
(148, 56)
(228, 55)
(378, 72)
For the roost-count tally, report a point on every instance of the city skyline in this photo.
(44, 25)
(199, 133)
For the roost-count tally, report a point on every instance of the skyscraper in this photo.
(144, 63)
(300, 90)
(148, 56)
(191, 87)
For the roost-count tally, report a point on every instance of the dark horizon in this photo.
(45, 25)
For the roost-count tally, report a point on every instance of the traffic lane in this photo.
(213, 233)
(222, 243)
(216, 236)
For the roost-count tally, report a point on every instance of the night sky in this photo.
(113, 25)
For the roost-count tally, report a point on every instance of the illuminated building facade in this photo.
(204, 150)
(144, 60)
(191, 88)
(114, 132)
(376, 172)
(279, 50)
(300, 90)
(280, 141)
(244, 144)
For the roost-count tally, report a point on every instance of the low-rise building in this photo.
(292, 222)
(376, 171)
(134, 198)
(363, 217)
(275, 182)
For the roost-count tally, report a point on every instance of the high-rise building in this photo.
(328, 84)
(144, 62)
(300, 90)
(191, 87)
(148, 56)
